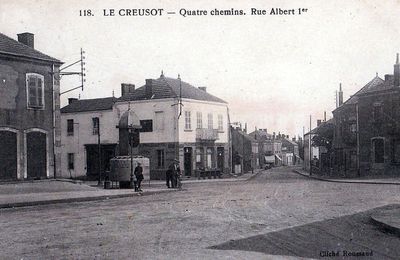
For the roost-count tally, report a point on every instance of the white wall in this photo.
(205, 107)
(83, 134)
(146, 109)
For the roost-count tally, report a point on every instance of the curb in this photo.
(79, 199)
(385, 226)
(254, 175)
(344, 181)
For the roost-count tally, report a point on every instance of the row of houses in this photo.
(364, 130)
(260, 149)
(177, 121)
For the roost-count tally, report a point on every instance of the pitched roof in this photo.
(165, 87)
(261, 133)
(86, 105)
(10, 46)
(323, 124)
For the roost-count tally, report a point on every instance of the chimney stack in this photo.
(340, 95)
(27, 39)
(203, 89)
(245, 128)
(397, 72)
(127, 88)
(319, 121)
(71, 100)
(149, 88)
(324, 116)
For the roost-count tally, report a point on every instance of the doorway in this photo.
(36, 155)
(220, 158)
(8, 155)
(187, 161)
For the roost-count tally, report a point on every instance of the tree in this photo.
(323, 136)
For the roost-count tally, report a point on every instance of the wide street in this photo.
(276, 215)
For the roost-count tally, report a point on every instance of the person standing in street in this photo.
(168, 177)
(139, 176)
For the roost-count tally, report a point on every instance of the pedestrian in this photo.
(175, 172)
(168, 178)
(139, 176)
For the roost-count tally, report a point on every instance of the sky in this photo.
(273, 70)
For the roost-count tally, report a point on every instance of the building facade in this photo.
(179, 121)
(245, 150)
(367, 132)
(29, 111)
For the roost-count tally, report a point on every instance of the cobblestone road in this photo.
(278, 214)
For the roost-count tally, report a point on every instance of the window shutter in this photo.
(39, 88)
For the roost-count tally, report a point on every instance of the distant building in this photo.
(290, 152)
(367, 129)
(270, 145)
(245, 150)
(197, 133)
(29, 111)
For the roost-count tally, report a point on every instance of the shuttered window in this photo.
(35, 90)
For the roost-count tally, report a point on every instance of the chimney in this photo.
(324, 116)
(388, 77)
(287, 137)
(245, 128)
(340, 95)
(71, 100)
(149, 88)
(273, 135)
(319, 121)
(397, 72)
(203, 89)
(27, 39)
(294, 139)
(127, 88)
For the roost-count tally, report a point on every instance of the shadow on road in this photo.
(343, 236)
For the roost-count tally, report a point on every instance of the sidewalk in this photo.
(52, 191)
(388, 219)
(390, 181)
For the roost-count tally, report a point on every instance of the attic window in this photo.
(35, 91)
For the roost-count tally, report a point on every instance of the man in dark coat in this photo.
(139, 176)
(175, 173)
(168, 177)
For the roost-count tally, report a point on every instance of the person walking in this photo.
(139, 177)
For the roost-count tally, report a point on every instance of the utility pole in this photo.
(80, 73)
(309, 145)
(97, 120)
(358, 142)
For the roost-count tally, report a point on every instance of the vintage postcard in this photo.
(199, 129)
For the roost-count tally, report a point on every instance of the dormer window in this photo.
(35, 91)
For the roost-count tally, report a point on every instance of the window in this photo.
(159, 118)
(70, 126)
(147, 125)
(96, 125)
(353, 128)
(188, 121)
(210, 121)
(220, 123)
(160, 159)
(70, 161)
(35, 90)
(378, 150)
(377, 111)
(199, 155)
(199, 120)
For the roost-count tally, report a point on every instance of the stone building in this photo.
(367, 130)
(245, 151)
(179, 121)
(29, 110)
(269, 145)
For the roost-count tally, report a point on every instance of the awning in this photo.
(269, 159)
(279, 158)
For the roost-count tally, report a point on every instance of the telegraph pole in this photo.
(309, 146)
(99, 148)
